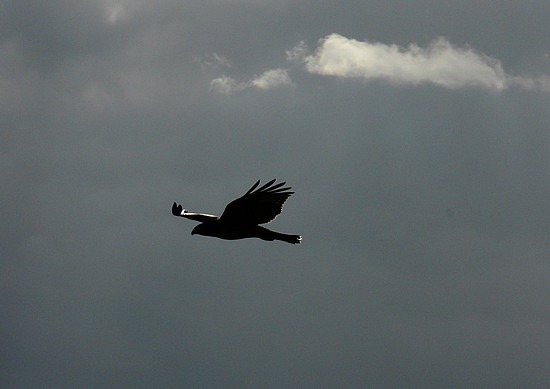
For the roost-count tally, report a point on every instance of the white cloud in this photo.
(269, 79)
(297, 53)
(214, 61)
(440, 63)
(120, 10)
(541, 83)
(225, 84)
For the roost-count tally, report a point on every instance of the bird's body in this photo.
(242, 217)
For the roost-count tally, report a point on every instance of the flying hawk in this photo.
(242, 217)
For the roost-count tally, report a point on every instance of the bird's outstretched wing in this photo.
(177, 210)
(257, 206)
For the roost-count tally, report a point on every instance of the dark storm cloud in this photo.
(424, 209)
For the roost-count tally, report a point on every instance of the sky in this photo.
(416, 136)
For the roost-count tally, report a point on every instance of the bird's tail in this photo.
(266, 234)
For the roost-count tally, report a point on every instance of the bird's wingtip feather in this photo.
(253, 187)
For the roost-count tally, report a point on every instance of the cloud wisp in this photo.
(267, 80)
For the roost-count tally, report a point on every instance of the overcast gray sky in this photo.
(416, 136)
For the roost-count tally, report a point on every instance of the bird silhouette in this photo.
(242, 217)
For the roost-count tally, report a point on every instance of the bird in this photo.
(242, 217)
